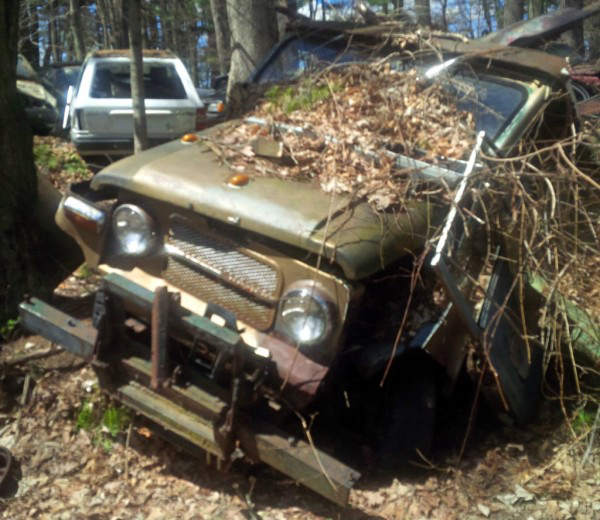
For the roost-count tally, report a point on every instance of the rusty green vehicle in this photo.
(233, 309)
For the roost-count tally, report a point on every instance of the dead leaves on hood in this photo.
(343, 129)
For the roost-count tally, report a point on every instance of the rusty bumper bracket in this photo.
(160, 318)
(167, 406)
(72, 334)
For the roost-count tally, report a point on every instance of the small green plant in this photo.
(84, 271)
(10, 329)
(44, 157)
(56, 160)
(103, 419)
(584, 421)
(85, 417)
(74, 165)
(116, 419)
(299, 97)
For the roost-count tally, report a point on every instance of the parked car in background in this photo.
(40, 105)
(214, 99)
(57, 78)
(101, 113)
(215, 104)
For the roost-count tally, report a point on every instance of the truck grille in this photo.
(216, 271)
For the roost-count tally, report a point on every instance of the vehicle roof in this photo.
(126, 53)
(536, 63)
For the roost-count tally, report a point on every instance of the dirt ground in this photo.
(550, 470)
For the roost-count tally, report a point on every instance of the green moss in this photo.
(303, 96)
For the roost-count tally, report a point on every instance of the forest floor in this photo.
(77, 455)
(69, 466)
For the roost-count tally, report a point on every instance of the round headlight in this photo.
(306, 313)
(133, 229)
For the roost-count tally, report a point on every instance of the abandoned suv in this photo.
(240, 308)
(101, 113)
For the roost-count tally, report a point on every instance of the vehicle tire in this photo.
(408, 418)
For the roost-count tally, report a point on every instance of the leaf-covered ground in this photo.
(546, 471)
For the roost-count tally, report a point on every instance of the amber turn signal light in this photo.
(238, 180)
(189, 138)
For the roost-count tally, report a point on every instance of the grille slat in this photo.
(240, 283)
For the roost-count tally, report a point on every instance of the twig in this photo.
(585, 177)
(588, 449)
(34, 355)
(127, 443)
(309, 438)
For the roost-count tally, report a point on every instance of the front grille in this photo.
(216, 271)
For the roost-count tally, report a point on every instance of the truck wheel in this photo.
(408, 418)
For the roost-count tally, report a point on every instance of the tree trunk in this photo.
(423, 12)
(104, 21)
(153, 32)
(193, 51)
(52, 36)
(592, 29)
(282, 19)
(218, 9)
(513, 11)
(536, 8)
(28, 46)
(487, 14)
(18, 271)
(444, 7)
(136, 69)
(574, 37)
(253, 25)
(77, 29)
(117, 32)
(146, 40)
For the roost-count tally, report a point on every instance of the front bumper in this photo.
(198, 412)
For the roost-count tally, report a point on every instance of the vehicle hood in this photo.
(36, 91)
(346, 232)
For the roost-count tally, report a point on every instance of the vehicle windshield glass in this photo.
(300, 56)
(161, 81)
(68, 75)
(492, 101)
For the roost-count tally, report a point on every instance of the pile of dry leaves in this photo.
(343, 128)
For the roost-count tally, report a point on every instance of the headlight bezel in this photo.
(326, 303)
(151, 231)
